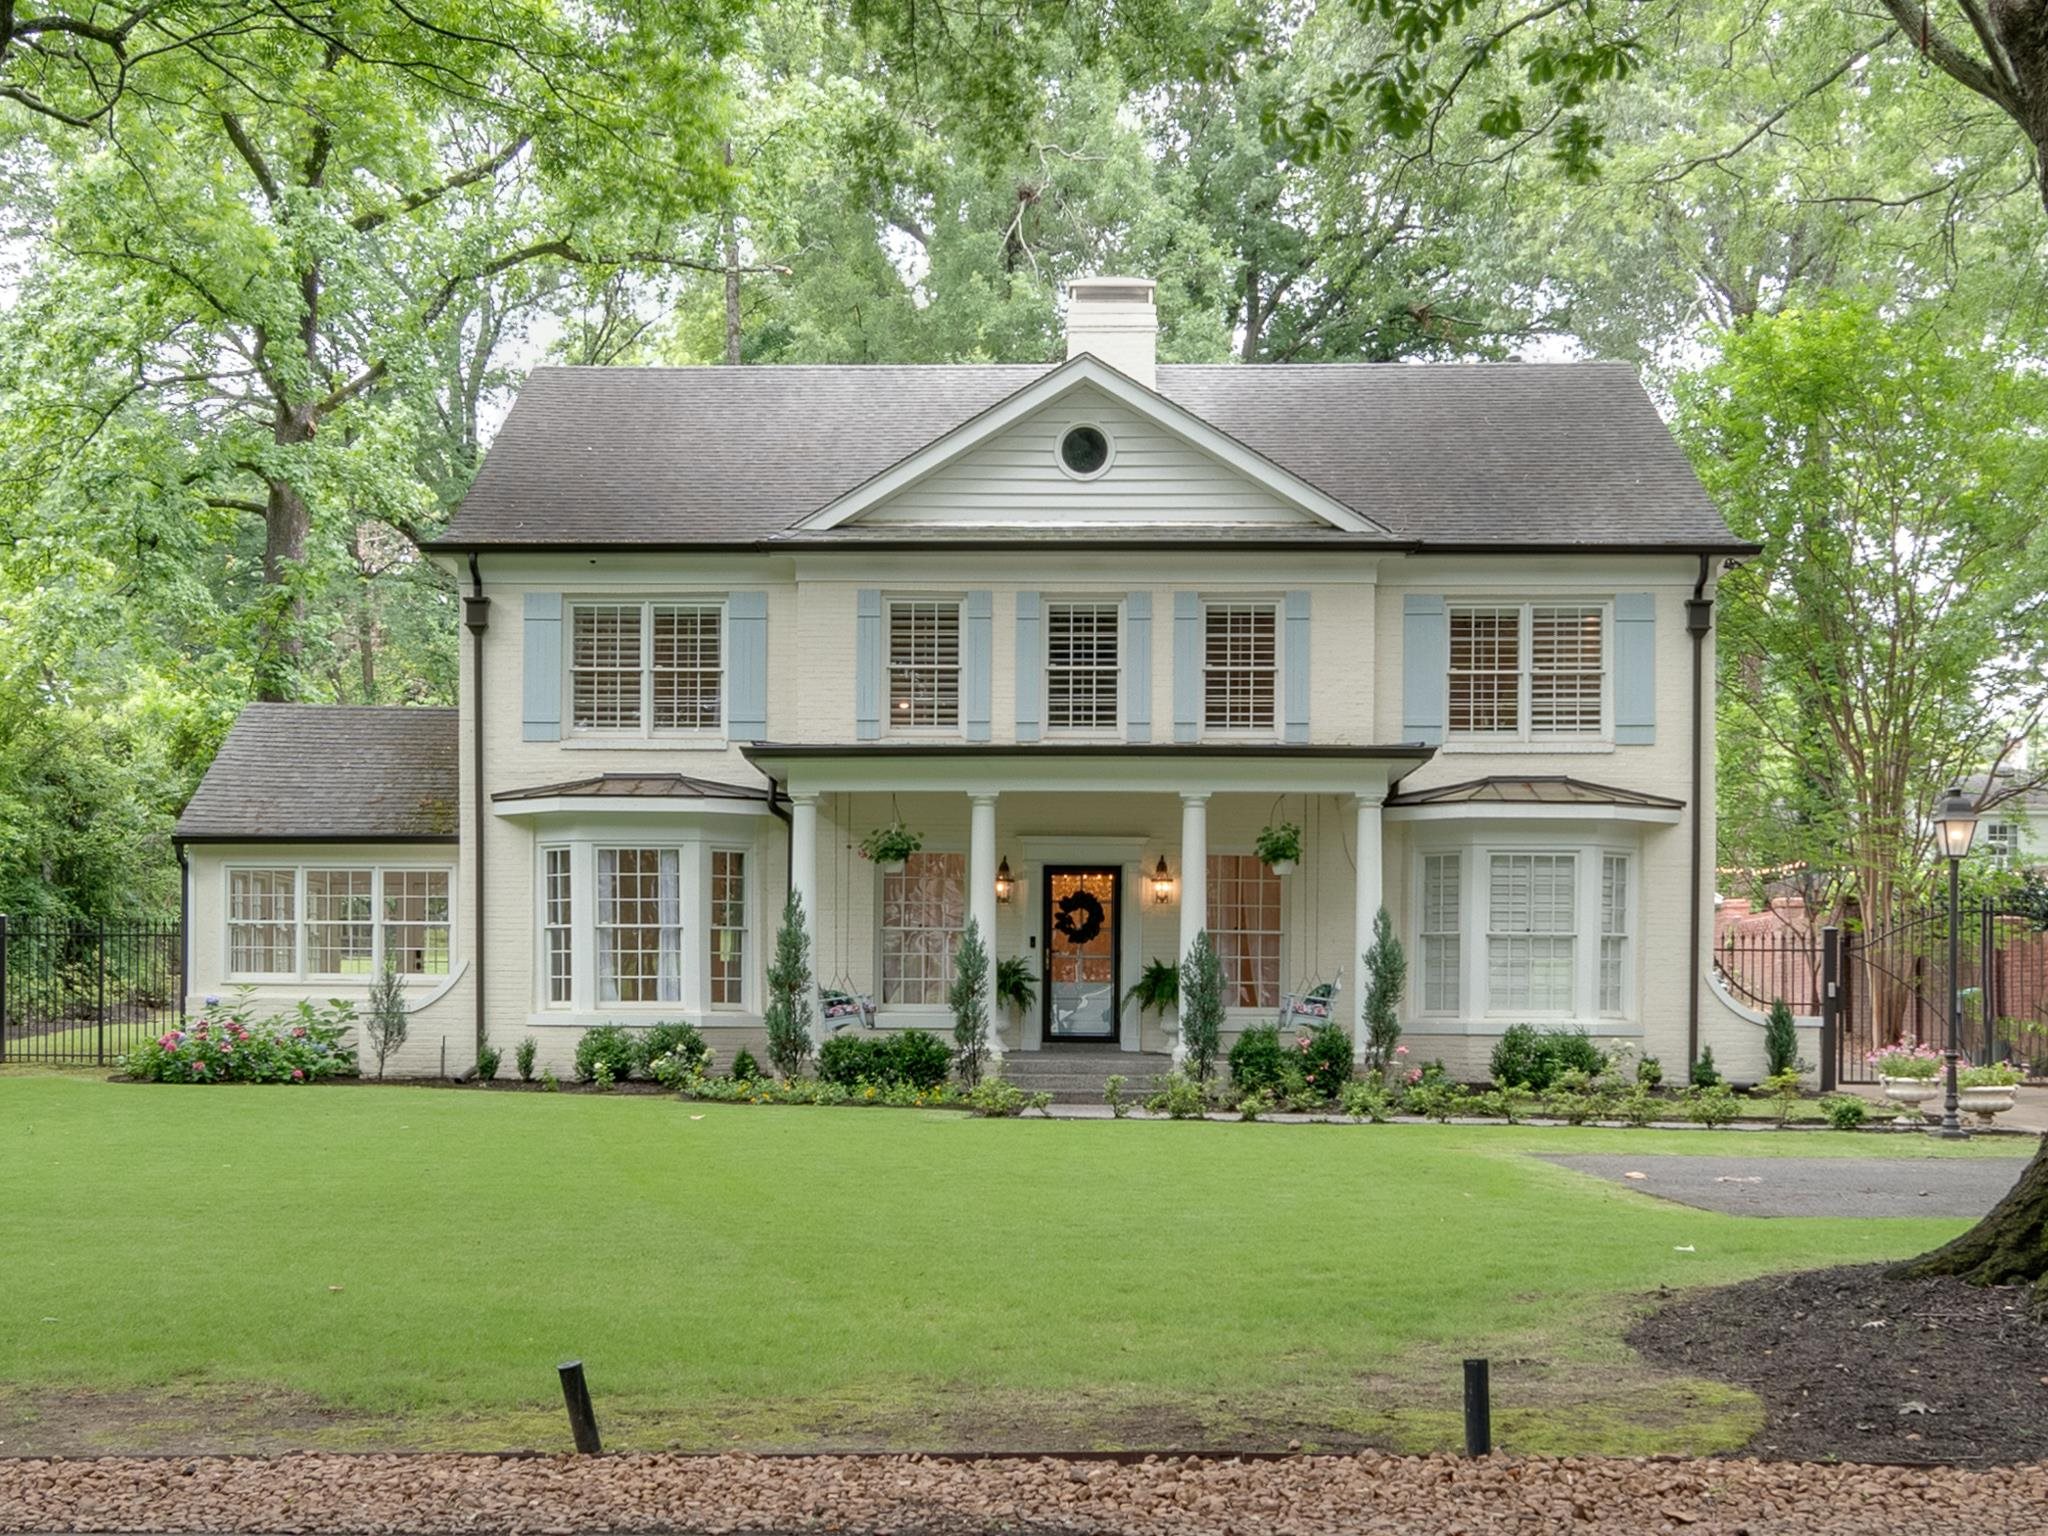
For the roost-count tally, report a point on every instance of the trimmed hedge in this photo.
(1527, 1057)
(913, 1057)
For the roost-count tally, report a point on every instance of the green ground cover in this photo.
(405, 1266)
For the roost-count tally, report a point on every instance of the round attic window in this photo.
(1084, 451)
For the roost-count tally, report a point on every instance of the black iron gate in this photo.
(83, 994)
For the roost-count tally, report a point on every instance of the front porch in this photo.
(1087, 863)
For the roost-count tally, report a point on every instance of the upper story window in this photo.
(1240, 666)
(924, 664)
(1528, 670)
(1081, 671)
(647, 666)
(2002, 843)
(347, 922)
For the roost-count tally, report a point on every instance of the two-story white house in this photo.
(1085, 628)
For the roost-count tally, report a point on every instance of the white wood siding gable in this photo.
(1166, 467)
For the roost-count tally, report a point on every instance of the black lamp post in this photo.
(1955, 828)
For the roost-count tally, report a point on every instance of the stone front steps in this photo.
(1075, 1074)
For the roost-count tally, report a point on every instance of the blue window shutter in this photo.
(1294, 667)
(867, 665)
(1425, 668)
(541, 675)
(1137, 661)
(1030, 666)
(978, 659)
(1635, 669)
(746, 632)
(1187, 666)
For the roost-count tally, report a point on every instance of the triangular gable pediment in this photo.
(1166, 468)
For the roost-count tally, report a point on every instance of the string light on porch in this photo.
(1162, 883)
(1006, 887)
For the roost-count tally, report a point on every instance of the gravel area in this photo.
(1853, 1363)
(1438, 1495)
(1815, 1186)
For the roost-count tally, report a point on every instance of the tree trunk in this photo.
(2008, 1247)
(732, 279)
(286, 522)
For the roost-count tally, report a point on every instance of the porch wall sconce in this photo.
(1005, 886)
(1162, 883)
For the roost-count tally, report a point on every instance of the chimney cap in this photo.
(1111, 290)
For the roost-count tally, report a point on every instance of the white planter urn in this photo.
(1282, 866)
(1987, 1099)
(1909, 1093)
(890, 866)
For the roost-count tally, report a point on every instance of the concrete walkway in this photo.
(1963, 1188)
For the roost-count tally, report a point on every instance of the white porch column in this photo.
(1371, 894)
(981, 897)
(1194, 888)
(803, 869)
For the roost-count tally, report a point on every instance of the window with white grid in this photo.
(1614, 934)
(1240, 666)
(1442, 949)
(1244, 925)
(1529, 671)
(263, 922)
(2002, 843)
(924, 910)
(1532, 928)
(340, 936)
(416, 921)
(728, 927)
(1081, 666)
(924, 664)
(558, 915)
(639, 925)
(688, 673)
(605, 666)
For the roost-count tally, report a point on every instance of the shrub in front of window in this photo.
(968, 998)
(1258, 1061)
(1201, 1007)
(385, 1027)
(1650, 1072)
(744, 1068)
(522, 1058)
(1781, 1039)
(1526, 1057)
(1386, 977)
(681, 1041)
(850, 1059)
(303, 1047)
(918, 1059)
(1324, 1057)
(611, 1049)
(788, 1016)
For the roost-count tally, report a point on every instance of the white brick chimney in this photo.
(1113, 318)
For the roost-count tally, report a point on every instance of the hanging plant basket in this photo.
(889, 846)
(1279, 847)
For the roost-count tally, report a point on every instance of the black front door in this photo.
(1083, 908)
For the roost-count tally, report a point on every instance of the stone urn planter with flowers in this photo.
(1908, 1075)
(1988, 1090)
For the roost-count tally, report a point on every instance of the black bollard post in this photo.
(1478, 1410)
(576, 1397)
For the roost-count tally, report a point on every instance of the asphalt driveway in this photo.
(1814, 1186)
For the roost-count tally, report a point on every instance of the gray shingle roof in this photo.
(328, 772)
(1540, 789)
(1512, 454)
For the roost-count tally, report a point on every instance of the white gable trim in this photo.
(1082, 371)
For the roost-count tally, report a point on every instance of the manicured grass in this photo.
(408, 1265)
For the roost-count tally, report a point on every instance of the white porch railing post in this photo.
(981, 897)
(1194, 889)
(1370, 897)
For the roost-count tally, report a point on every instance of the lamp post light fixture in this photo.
(1162, 883)
(1005, 886)
(1955, 828)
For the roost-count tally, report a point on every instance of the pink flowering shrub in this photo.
(302, 1047)
(1903, 1060)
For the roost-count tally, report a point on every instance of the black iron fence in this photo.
(83, 994)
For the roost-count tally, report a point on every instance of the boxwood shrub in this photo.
(912, 1057)
(1527, 1057)
(681, 1041)
(1258, 1061)
(615, 1046)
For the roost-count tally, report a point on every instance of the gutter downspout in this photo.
(782, 814)
(1699, 621)
(476, 618)
(184, 927)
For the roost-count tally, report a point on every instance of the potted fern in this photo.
(1016, 987)
(888, 847)
(1156, 989)
(1279, 847)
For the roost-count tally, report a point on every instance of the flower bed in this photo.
(304, 1047)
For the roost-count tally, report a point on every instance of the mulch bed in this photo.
(1856, 1365)
(1437, 1495)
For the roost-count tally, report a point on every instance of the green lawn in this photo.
(370, 1266)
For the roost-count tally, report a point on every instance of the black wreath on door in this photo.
(1079, 917)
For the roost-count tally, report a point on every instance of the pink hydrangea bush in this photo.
(224, 1047)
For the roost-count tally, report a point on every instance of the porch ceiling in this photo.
(1087, 767)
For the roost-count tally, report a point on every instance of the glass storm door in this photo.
(1081, 939)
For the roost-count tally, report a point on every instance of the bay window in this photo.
(1442, 925)
(639, 925)
(557, 919)
(1532, 931)
(728, 927)
(1614, 934)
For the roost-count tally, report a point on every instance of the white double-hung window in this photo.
(639, 925)
(643, 667)
(1528, 671)
(1443, 950)
(1532, 932)
(1240, 666)
(924, 664)
(1614, 933)
(1081, 666)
